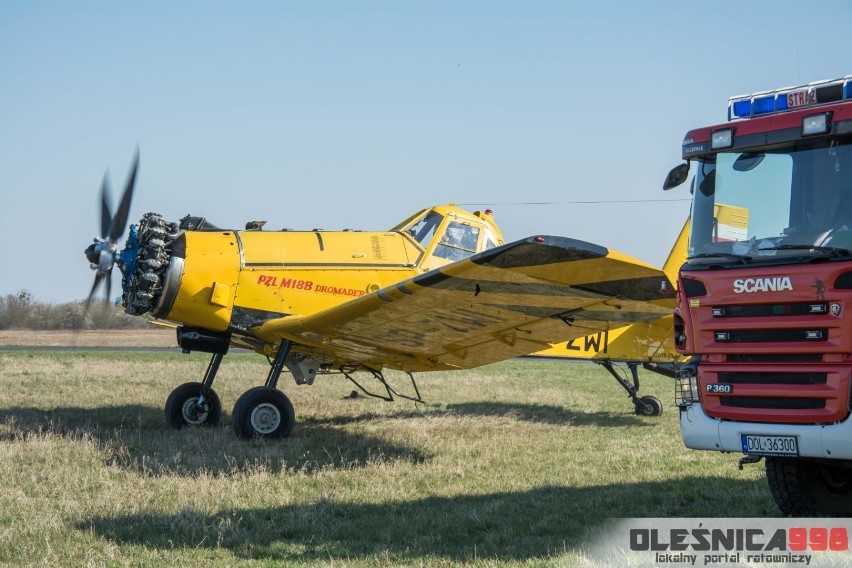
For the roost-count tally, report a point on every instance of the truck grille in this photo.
(770, 310)
(773, 378)
(774, 358)
(775, 392)
(770, 335)
(772, 403)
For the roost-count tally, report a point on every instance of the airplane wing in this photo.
(643, 342)
(502, 303)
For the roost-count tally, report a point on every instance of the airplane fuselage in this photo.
(221, 278)
(232, 280)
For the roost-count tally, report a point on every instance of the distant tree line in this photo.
(22, 311)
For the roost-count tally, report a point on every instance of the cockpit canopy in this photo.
(449, 234)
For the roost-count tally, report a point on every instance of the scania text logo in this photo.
(771, 284)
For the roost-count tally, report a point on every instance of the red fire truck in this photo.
(765, 297)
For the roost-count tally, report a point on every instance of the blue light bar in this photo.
(790, 98)
(763, 105)
(741, 108)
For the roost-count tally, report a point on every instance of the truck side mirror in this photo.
(677, 176)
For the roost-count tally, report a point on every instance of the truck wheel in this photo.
(804, 488)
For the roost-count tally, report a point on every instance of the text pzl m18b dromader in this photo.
(765, 297)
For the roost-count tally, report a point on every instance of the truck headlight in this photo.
(686, 387)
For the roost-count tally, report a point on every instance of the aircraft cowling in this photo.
(201, 281)
(184, 276)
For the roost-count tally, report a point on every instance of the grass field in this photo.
(519, 463)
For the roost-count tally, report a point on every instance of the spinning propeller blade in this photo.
(98, 278)
(119, 221)
(103, 252)
(106, 207)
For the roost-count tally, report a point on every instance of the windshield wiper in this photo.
(830, 251)
(744, 258)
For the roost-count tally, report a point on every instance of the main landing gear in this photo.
(261, 412)
(643, 406)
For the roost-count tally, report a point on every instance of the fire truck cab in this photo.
(765, 296)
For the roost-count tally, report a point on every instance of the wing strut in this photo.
(388, 388)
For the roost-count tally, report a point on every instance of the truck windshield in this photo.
(774, 202)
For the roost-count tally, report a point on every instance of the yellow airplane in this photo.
(441, 290)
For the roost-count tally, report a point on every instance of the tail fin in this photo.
(730, 224)
(678, 254)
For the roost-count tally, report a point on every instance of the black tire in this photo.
(182, 410)
(263, 412)
(803, 488)
(649, 406)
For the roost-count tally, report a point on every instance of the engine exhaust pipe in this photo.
(204, 340)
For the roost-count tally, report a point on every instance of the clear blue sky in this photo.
(356, 114)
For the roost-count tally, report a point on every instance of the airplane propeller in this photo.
(102, 253)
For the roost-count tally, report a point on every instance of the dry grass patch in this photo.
(153, 337)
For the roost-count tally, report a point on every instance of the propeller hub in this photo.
(106, 261)
(92, 255)
(101, 256)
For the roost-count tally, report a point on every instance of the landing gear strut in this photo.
(643, 406)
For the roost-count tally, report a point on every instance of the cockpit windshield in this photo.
(794, 200)
(423, 230)
(458, 241)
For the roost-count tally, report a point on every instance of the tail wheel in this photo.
(263, 412)
(182, 408)
(809, 488)
(649, 406)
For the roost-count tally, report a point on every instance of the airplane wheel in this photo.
(182, 407)
(649, 406)
(263, 412)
